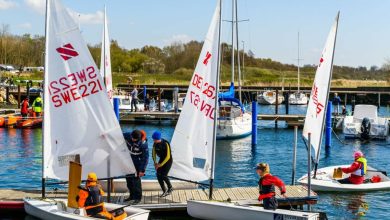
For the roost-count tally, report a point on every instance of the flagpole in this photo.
(44, 96)
(216, 105)
(327, 96)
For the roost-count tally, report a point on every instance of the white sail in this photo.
(315, 115)
(192, 141)
(78, 119)
(105, 58)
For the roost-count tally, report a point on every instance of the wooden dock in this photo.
(297, 196)
(145, 117)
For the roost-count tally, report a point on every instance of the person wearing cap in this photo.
(267, 185)
(90, 198)
(357, 170)
(162, 150)
(138, 146)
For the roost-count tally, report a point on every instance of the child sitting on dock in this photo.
(267, 185)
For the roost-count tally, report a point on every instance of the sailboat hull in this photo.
(325, 182)
(269, 98)
(230, 211)
(57, 210)
(298, 99)
(234, 128)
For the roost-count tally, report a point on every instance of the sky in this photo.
(271, 32)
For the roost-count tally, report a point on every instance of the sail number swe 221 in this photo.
(202, 96)
(74, 87)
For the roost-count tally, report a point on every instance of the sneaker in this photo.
(164, 194)
(128, 199)
(169, 192)
(135, 202)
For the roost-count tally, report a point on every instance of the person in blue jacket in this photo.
(138, 147)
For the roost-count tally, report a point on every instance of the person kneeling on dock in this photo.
(138, 147)
(357, 170)
(267, 185)
(162, 149)
(91, 198)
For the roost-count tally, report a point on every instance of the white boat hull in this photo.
(352, 124)
(232, 128)
(211, 210)
(298, 99)
(324, 181)
(56, 210)
(269, 98)
(120, 185)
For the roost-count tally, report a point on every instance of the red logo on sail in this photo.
(67, 52)
(206, 60)
(316, 102)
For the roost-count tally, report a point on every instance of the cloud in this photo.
(7, 4)
(178, 38)
(37, 5)
(88, 18)
(25, 25)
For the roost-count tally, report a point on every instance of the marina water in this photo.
(21, 157)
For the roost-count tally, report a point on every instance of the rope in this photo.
(338, 137)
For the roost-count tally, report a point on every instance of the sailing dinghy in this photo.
(322, 179)
(194, 140)
(79, 122)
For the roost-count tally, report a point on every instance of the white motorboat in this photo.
(268, 97)
(120, 185)
(233, 121)
(365, 123)
(324, 181)
(49, 209)
(212, 210)
(298, 98)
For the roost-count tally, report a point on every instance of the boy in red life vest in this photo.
(357, 170)
(267, 185)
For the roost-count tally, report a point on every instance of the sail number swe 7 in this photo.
(74, 87)
(202, 95)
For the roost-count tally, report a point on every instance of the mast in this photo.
(327, 96)
(233, 7)
(216, 105)
(238, 53)
(104, 45)
(298, 66)
(45, 83)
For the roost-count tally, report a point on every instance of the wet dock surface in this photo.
(297, 196)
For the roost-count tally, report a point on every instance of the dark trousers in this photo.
(134, 104)
(135, 187)
(162, 176)
(344, 181)
(270, 203)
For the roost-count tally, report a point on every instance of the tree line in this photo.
(177, 58)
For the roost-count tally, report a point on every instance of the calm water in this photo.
(20, 160)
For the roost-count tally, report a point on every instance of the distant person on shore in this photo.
(134, 99)
(357, 170)
(162, 150)
(24, 108)
(267, 185)
(37, 106)
(147, 103)
(138, 146)
(337, 101)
